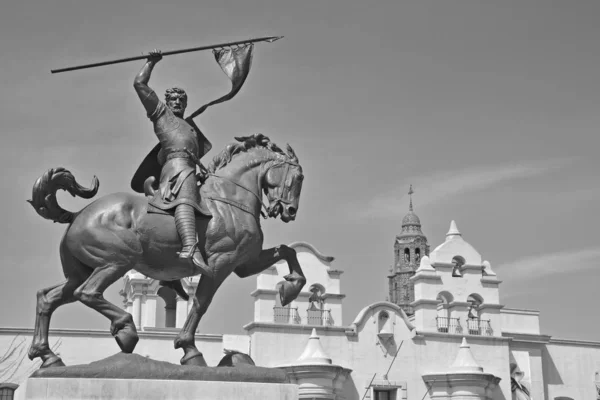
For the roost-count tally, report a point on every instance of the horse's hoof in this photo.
(287, 293)
(234, 358)
(127, 339)
(193, 357)
(52, 361)
(290, 289)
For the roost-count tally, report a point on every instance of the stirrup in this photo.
(201, 264)
(192, 250)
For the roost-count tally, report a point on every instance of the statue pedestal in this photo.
(131, 376)
(135, 389)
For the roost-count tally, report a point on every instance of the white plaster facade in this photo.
(459, 344)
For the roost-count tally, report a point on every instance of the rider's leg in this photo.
(185, 222)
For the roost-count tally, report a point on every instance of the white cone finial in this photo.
(453, 231)
(313, 352)
(464, 360)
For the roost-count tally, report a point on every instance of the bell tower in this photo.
(409, 246)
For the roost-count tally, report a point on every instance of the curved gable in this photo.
(299, 246)
(370, 311)
(456, 246)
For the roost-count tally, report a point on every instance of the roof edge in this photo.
(363, 314)
(312, 248)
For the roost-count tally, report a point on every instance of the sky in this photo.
(489, 109)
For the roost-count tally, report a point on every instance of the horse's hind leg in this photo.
(48, 300)
(90, 294)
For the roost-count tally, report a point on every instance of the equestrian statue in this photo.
(191, 220)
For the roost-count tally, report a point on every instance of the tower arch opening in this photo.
(457, 262)
(166, 308)
(444, 322)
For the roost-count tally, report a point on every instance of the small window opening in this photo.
(457, 263)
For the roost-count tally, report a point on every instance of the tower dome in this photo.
(411, 219)
(411, 224)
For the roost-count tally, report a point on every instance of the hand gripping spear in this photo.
(269, 39)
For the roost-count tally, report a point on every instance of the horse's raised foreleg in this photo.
(207, 287)
(90, 294)
(48, 300)
(295, 281)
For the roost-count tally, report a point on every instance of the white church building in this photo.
(443, 334)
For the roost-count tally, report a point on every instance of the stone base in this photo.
(134, 366)
(136, 389)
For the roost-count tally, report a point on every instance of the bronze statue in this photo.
(182, 146)
(115, 234)
(218, 222)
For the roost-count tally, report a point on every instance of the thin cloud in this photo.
(443, 185)
(527, 268)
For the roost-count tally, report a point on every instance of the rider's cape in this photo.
(235, 62)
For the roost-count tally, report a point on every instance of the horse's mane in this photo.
(245, 143)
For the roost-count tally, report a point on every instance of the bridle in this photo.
(282, 190)
(278, 199)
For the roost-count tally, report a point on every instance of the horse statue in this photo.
(116, 234)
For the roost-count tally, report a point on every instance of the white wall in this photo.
(520, 321)
(569, 368)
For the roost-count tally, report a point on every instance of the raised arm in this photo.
(140, 83)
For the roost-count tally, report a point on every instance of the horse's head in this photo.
(279, 172)
(282, 185)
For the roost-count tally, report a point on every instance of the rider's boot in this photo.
(185, 222)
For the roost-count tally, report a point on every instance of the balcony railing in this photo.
(318, 317)
(448, 325)
(480, 327)
(286, 315)
(475, 326)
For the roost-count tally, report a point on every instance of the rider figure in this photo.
(178, 185)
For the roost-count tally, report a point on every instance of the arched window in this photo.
(475, 300)
(316, 312)
(166, 308)
(383, 318)
(417, 255)
(7, 391)
(407, 255)
(444, 322)
(457, 262)
(316, 299)
(474, 323)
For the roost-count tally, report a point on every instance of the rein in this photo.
(279, 192)
(236, 204)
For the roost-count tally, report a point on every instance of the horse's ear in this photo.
(291, 153)
(247, 141)
(262, 140)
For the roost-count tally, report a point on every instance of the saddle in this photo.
(204, 211)
(152, 196)
(201, 208)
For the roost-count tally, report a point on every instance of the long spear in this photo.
(269, 39)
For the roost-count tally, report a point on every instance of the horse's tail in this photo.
(44, 194)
